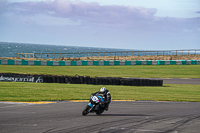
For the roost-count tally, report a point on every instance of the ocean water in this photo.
(12, 49)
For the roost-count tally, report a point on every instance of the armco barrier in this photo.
(99, 63)
(13, 77)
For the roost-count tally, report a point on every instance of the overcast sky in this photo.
(129, 24)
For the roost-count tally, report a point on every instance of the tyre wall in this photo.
(13, 77)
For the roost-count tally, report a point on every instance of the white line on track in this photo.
(24, 125)
(141, 130)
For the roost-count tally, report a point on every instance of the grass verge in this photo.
(22, 91)
(142, 71)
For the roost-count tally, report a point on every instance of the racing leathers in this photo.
(107, 97)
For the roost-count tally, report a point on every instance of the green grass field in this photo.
(21, 91)
(143, 71)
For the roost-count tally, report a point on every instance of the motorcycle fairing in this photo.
(90, 105)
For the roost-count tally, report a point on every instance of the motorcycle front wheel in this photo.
(86, 110)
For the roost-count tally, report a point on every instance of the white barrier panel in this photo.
(90, 63)
(144, 62)
(68, 63)
(154, 62)
(79, 63)
(111, 63)
(167, 62)
(101, 63)
(4, 62)
(55, 63)
(178, 62)
(122, 63)
(31, 62)
(133, 62)
(188, 62)
(18, 62)
(43, 63)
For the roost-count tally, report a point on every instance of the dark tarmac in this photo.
(181, 81)
(126, 117)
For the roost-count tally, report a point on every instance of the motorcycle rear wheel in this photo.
(86, 110)
(100, 111)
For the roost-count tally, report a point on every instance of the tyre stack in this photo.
(90, 80)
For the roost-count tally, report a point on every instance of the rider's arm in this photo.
(108, 96)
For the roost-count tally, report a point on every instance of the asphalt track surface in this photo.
(181, 81)
(125, 117)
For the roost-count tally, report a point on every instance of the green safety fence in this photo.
(106, 63)
(116, 62)
(183, 62)
(161, 62)
(49, 63)
(172, 62)
(84, 63)
(37, 62)
(149, 62)
(61, 63)
(73, 63)
(11, 62)
(138, 62)
(127, 62)
(24, 62)
(97, 63)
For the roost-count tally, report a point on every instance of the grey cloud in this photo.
(3, 6)
(95, 14)
(88, 12)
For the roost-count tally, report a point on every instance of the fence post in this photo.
(138, 53)
(40, 55)
(188, 52)
(103, 54)
(60, 55)
(73, 55)
(176, 52)
(33, 55)
(195, 52)
(66, 55)
(127, 54)
(163, 53)
(151, 53)
(53, 55)
(121, 53)
(182, 52)
(157, 53)
(79, 54)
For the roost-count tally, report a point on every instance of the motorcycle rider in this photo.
(106, 95)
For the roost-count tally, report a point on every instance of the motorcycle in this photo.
(96, 105)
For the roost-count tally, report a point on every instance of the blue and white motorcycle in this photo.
(96, 105)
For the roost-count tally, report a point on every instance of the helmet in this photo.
(102, 89)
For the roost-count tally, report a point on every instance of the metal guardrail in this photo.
(108, 54)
